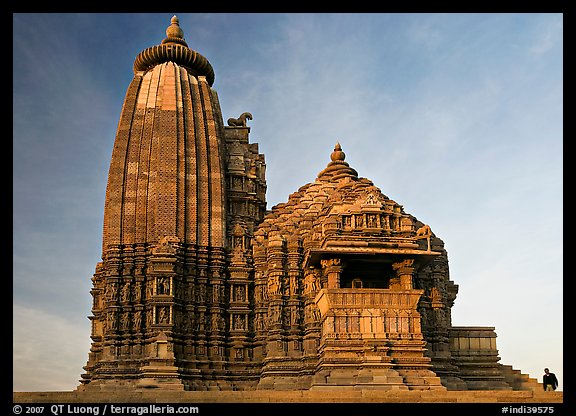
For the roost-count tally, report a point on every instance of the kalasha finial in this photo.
(337, 168)
(173, 33)
(337, 154)
(174, 49)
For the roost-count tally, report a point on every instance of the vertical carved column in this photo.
(239, 310)
(274, 347)
(201, 308)
(98, 321)
(333, 270)
(113, 267)
(404, 271)
(162, 270)
(246, 206)
(275, 283)
(260, 295)
(217, 309)
(163, 350)
(436, 321)
(139, 294)
(190, 323)
(294, 304)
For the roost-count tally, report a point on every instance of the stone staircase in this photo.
(518, 380)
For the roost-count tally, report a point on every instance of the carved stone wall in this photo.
(372, 337)
(474, 352)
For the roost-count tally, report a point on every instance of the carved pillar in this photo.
(113, 272)
(239, 310)
(311, 315)
(274, 344)
(164, 348)
(217, 310)
(201, 302)
(190, 324)
(260, 296)
(404, 271)
(294, 299)
(333, 270)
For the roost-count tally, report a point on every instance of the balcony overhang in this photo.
(375, 254)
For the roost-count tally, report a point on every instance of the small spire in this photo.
(337, 154)
(174, 33)
(337, 168)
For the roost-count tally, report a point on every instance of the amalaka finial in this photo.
(174, 33)
(338, 168)
(337, 154)
(174, 49)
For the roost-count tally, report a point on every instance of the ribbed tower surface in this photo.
(167, 152)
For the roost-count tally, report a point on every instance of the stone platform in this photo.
(301, 396)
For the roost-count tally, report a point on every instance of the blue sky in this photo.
(458, 117)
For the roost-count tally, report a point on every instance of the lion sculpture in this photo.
(240, 121)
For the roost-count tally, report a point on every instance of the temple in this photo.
(201, 287)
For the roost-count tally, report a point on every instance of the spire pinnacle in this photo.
(337, 154)
(174, 33)
(337, 168)
(174, 49)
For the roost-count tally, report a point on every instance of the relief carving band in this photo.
(239, 321)
(371, 199)
(163, 315)
(149, 289)
(203, 286)
(112, 292)
(330, 262)
(149, 318)
(347, 221)
(217, 322)
(372, 221)
(111, 320)
(137, 320)
(125, 321)
(126, 292)
(138, 292)
(163, 286)
(293, 286)
(311, 283)
(240, 293)
(274, 285)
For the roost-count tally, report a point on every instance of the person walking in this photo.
(549, 380)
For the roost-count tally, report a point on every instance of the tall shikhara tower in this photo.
(201, 288)
(183, 196)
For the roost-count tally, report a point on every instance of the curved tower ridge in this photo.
(168, 151)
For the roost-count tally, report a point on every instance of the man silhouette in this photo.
(549, 380)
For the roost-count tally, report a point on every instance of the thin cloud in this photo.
(37, 357)
(548, 36)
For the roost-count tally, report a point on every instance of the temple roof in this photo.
(343, 213)
(174, 49)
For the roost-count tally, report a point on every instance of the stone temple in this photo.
(201, 287)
